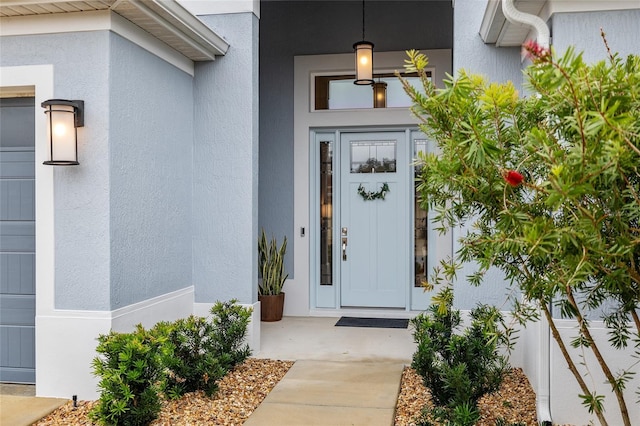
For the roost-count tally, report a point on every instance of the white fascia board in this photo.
(55, 23)
(94, 21)
(221, 7)
(492, 22)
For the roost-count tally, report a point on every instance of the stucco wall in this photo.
(82, 256)
(289, 28)
(225, 186)
(582, 30)
(150, 142)
(566, 406)
(123, 216)
(499, 65)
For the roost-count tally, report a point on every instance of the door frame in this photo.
(301, 300)
(327, 299)
(330, 297)
(37, 80)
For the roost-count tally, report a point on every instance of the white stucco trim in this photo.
(102, 20)
(533, 345)
(65, 347)
(38, 79)
(166, 307)
(298, 300)
(566, 406)
(66, 340)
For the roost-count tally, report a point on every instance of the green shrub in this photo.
(175, 357)
(190, 359)
(230, 322)
(130, 371)
(200, 351)
(458, 366)
(465, 414)
(547, 188)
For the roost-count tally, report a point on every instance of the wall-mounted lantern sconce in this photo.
(380, 94)
(63, 118)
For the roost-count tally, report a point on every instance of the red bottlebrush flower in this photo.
(534, 51)
(512, 177)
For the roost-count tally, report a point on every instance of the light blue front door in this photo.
(374, 231)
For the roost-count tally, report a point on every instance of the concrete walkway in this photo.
(342, 376)
(328, 393)
(18, 406)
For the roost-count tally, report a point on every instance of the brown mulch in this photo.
(514, 401)
(243, 389)
(239, 394)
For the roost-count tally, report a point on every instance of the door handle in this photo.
(344, 248)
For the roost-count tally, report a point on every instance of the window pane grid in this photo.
(373, 156)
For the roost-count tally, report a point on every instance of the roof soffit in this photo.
(166, 20)
(495, 29)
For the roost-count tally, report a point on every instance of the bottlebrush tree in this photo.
(550, 183)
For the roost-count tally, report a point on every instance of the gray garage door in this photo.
(17, 241)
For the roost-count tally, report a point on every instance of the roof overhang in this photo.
(165, 20)
(495, 29)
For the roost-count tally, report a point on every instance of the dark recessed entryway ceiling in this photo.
(317, 27)
(322, 26)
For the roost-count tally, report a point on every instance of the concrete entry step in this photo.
(332, 393)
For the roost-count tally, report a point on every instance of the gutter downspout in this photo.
(515, 16)
(543, 399)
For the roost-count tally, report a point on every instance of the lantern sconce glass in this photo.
(380, 94)
(63, 119)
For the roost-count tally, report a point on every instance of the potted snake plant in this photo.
(272, 277)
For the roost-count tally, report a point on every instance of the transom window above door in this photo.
(335, 92)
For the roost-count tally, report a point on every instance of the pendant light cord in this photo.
(363, 20)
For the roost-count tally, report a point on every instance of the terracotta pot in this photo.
(271, 307)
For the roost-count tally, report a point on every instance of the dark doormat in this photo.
(372, 322)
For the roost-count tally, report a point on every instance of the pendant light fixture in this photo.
(380, 94)
(364, 58)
